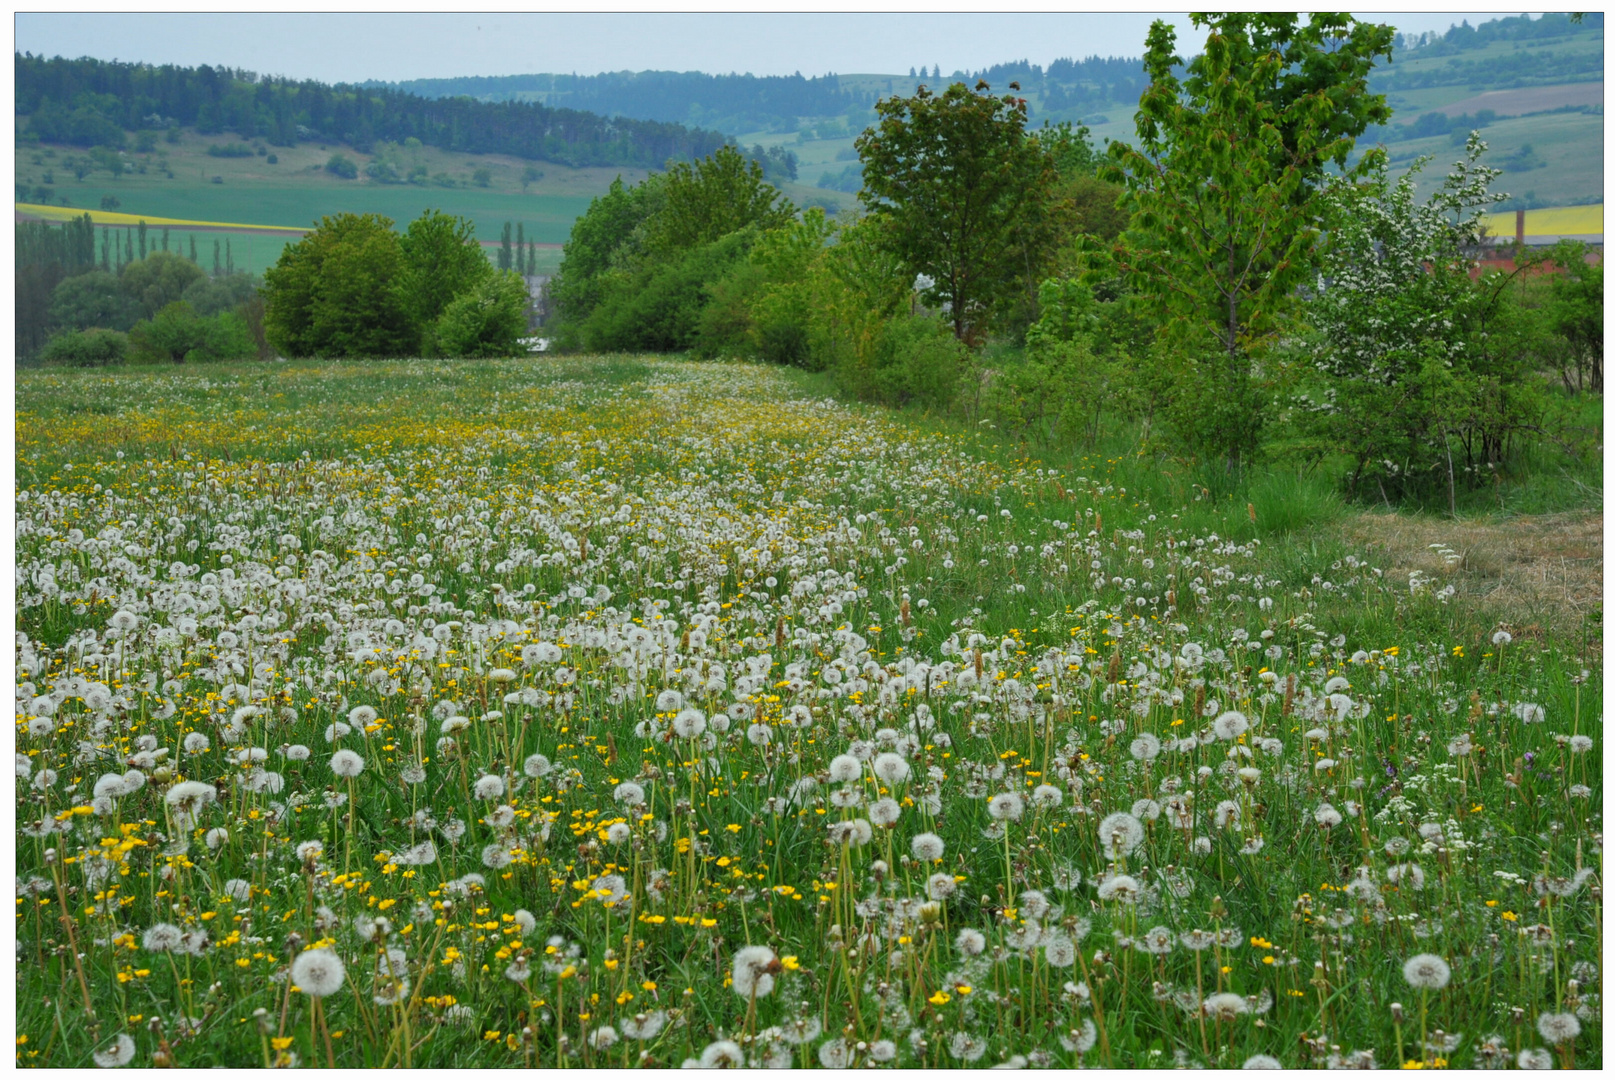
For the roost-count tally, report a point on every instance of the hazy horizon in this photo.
(404, 46)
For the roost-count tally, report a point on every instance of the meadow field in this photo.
(615, 711)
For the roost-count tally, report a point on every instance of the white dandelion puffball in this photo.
(1502, 637)
(629, 793)
(318, 972)
(119, 1054)
(1535, 1058)
(723, 1054)
(1060, 951)
(970, 942)
(1327, 816)
(190, 795)
(347, 763)
(1224, 1006)
(927, 847)
(844, 768)
(1559, 1027)
(1230, 725)
(1047, 797)
(689, 723)
(669, 701)
(1120, 833)
(537, 766)
(940, 886)
(1426, 972)
(360, 715)
(890, 767)
(1123, 887)
(1145, 748)
(1006, 806)
(1262, 1061)
(161, 937)
(488, 787)
(884, 813)
(753, 971)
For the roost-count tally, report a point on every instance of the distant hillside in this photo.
(90, 102)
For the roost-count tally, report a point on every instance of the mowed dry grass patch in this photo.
(1532, 574)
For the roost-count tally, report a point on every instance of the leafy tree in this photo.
(712, 198)
(1221, 193)
(602, 239)
(963, 194)
(1069, 148)
(343, 291)
(228, 292)
(444, 262)
(95, 299)
(159, 279)
(1576, 313)
(341, 166)
(488, 319)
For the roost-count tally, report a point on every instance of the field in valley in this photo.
(612, 711)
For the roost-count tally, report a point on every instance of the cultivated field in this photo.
(608, 711)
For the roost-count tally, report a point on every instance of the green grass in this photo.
(296, 191)
(589, 500)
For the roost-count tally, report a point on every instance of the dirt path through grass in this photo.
(1538, 573)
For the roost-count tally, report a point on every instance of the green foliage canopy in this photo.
(342, 290)
(1221, 189)
(962, 194)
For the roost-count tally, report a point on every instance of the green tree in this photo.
(1221, 195)
(444, 262)
(343, 291)
(1576, 313)
(488, 319)
(342, 167)
(158, 280)
(168, 336)
(211, 296)
(962, 194)
(504, 248)
(712, 198)
(95, 299)
(602, 239)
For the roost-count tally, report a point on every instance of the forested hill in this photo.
(89, 102)
(728, 102)
(1504, 53)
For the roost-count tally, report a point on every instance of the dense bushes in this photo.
(354, 288)
(86, 348)
(488, 319)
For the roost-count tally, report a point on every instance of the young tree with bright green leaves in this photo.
(444, 261)
(342, 291)
(1222, 192)
(488, 319)
(712, 198)
(604, 238)
(962, 193)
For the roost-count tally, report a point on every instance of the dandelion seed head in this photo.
(1426, 971)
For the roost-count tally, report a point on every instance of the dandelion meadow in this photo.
(608, 712)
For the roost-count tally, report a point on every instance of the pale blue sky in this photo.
(355, 47)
